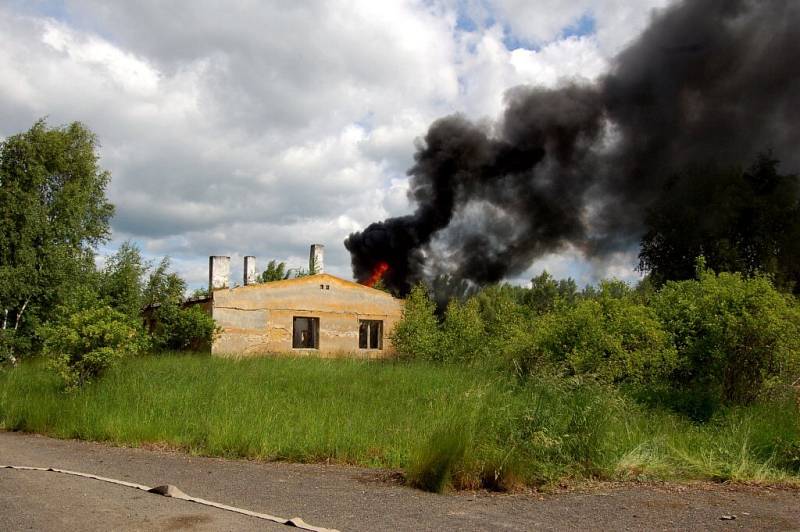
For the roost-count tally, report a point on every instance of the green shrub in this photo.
(416, 335)
(462, 336)
(613, 339)
(507, 323)
(88, 342)
(178, 328)
(734, 336)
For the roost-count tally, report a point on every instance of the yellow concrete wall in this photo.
(258, 319)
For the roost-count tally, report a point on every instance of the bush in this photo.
(416, 335)
(88, 342)
(734, 336)
(610, 338)
(462, 336)
(178, 328)
(507, 323)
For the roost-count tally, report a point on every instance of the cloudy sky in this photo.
(260, 127)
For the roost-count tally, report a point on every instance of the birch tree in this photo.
(53, 214)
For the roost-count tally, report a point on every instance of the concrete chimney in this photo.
(316, 259)
(249, 270)
(219, 268)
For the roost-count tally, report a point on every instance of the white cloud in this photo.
(129, 72)
(541, 21)
(573, 58)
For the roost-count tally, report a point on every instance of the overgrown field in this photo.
(441, 424)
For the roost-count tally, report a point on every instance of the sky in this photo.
(260, 127)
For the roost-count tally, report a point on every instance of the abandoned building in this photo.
(317, 314)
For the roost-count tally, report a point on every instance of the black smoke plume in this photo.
(708, 80)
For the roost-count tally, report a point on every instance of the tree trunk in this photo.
(19, 314)
(11, 357)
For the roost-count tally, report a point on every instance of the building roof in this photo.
(319, 278)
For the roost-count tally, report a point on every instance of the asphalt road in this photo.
(344, 498)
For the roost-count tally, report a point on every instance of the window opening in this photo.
(370, 334)
(305, 334)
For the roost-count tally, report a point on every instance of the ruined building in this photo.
(318, 314)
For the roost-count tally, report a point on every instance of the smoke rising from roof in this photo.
(708, 80)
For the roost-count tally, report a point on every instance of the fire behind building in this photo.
(318, 314)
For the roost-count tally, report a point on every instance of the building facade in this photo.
(314, 315)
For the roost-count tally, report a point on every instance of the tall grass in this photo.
(443, 425)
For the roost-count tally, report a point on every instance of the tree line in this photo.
(54, 299)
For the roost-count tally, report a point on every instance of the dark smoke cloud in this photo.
(709, 80)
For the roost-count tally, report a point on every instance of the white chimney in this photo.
(316, 259)
(219, 269)
(249, 270)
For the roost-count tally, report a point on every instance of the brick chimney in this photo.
(219, 268)
(316, 259)
(249, 270)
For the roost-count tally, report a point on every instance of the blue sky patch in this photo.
(586, 25)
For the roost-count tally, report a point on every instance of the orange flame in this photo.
(377, 273)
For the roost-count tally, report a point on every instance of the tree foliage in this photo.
(53, 213)
(275, 271)
(199, 293)
(129, 283)
(744, 221)
(546, 292)
(163, 286)
(417, 333)
(121, 279)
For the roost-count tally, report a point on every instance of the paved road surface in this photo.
(337, 497)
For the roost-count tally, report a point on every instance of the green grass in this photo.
(442, 425)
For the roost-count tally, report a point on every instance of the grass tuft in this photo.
(433, 465)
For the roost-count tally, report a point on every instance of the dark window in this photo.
(305, 334)
(370, 334)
